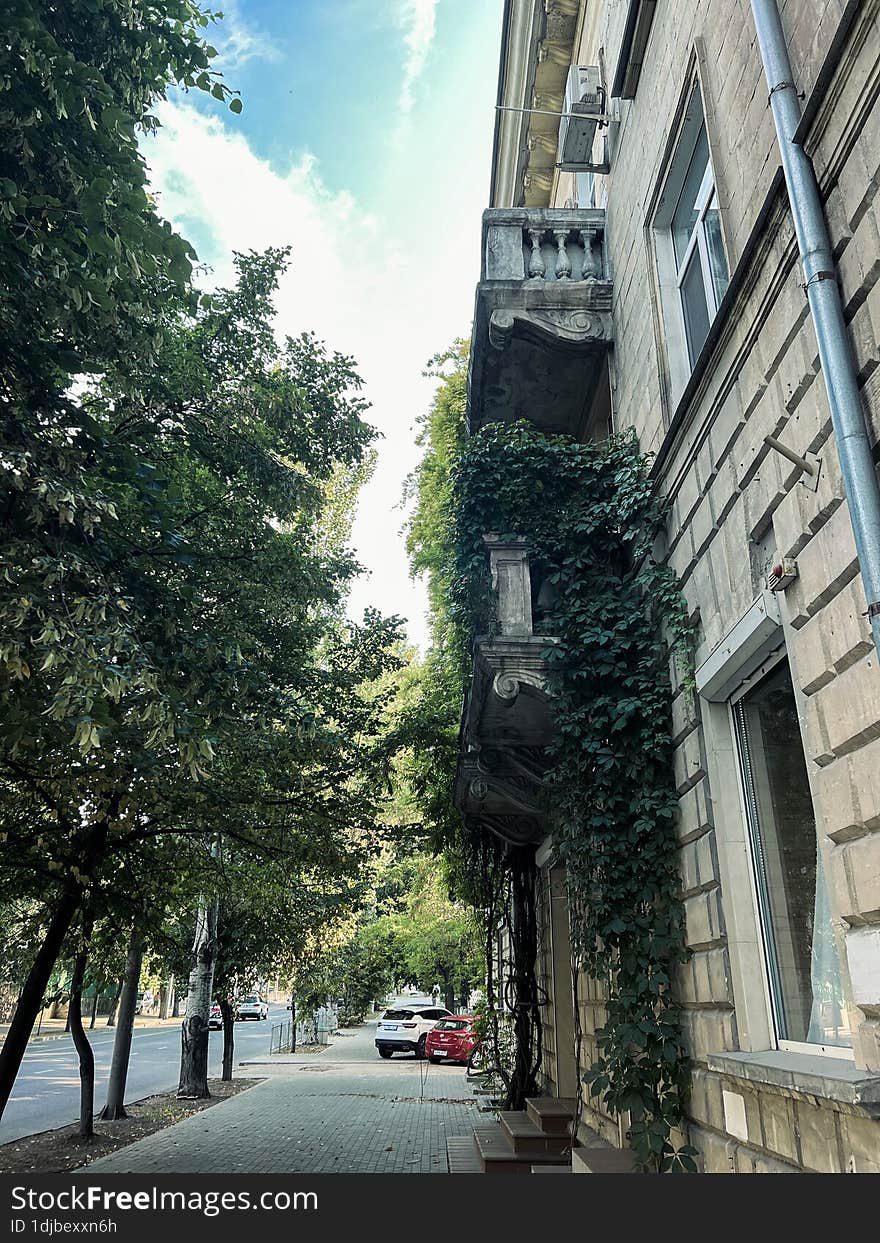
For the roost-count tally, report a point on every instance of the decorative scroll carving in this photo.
(577, 326)
(509, 682)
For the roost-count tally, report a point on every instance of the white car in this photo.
(252, 1007)
(404, 1027)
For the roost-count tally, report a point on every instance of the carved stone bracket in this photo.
(509, 682)
(577, 327)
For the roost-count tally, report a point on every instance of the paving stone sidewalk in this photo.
(344, 1115)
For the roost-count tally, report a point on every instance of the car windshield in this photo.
(398, 1014)
(250, 1001)
(452, 1025)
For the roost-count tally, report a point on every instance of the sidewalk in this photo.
(342, 1113)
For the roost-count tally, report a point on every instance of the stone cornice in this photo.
(537, 51)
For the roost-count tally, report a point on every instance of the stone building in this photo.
(642, 271)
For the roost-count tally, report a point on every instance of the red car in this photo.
(452, 1039)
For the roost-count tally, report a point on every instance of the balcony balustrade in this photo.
(542, 322)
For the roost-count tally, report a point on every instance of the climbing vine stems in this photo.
(592, 522)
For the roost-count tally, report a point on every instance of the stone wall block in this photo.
(705, 1104)
(777, 1120)
(817, 1131)
(859, 263)
(860, 1140)
(698, 865)
(688, 762)
(848, 794)
(711, 977)
(717, 1155)
(848, 706)
(825, 566)
(869, 1044)
(708, 1031)
(694, 812)
(859, 861)
(703, 915)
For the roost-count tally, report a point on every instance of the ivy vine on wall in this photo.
(592, 522)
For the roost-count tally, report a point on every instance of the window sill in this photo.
(830, 1078)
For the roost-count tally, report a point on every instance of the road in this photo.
(46, 1093)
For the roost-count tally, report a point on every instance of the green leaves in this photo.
(591, 520)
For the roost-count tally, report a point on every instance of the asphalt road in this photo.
(46, 1093)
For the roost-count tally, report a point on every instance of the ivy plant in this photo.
(592, 521)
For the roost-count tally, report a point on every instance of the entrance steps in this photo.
(536, 1139)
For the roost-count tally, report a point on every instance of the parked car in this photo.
(252, 1007)
(403, 1029)
(452, 1039)
(215, 1018)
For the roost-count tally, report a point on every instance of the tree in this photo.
(85, 261)
(181, 648)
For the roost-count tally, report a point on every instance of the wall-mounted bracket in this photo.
(810, 465)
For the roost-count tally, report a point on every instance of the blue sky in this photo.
(365, 144)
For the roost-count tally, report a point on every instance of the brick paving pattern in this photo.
(350, 1116)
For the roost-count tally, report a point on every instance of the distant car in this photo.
(252, 1007)
(452, 1039)
(403, 1029)
(215, 1018)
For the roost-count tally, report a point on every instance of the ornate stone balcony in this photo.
(506, 722)
(542, 322)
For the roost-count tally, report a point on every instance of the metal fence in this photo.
(281, 1038)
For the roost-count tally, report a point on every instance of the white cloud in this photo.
(237, 42)
(417, 19)
(391, 293)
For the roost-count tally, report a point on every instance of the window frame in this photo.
(761, 913)
(669, 273)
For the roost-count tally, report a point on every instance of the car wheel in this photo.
(385, 1052)
(420, 1047)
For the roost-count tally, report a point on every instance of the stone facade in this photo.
(738, 507)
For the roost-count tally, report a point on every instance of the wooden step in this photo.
(525, 1137)
(552, 1114)
(497, 1156)
(552, 1169)
(461, 1155)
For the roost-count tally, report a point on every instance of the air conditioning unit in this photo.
(583, 94)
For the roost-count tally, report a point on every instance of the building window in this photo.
(803, 967)
(691, 262)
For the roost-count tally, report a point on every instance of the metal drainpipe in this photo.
(835, 352)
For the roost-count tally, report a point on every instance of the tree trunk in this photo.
(115, 1107)
(31, 999)
(114, 1004)
(175, 1010)
(228, 1039)
(449, 994)
(165, 998)
(82, 1046)
(194, 1030)
(95, 1000)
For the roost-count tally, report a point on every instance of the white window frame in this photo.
(671, 273)
(760, 915)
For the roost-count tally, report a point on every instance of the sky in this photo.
(365, 144)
